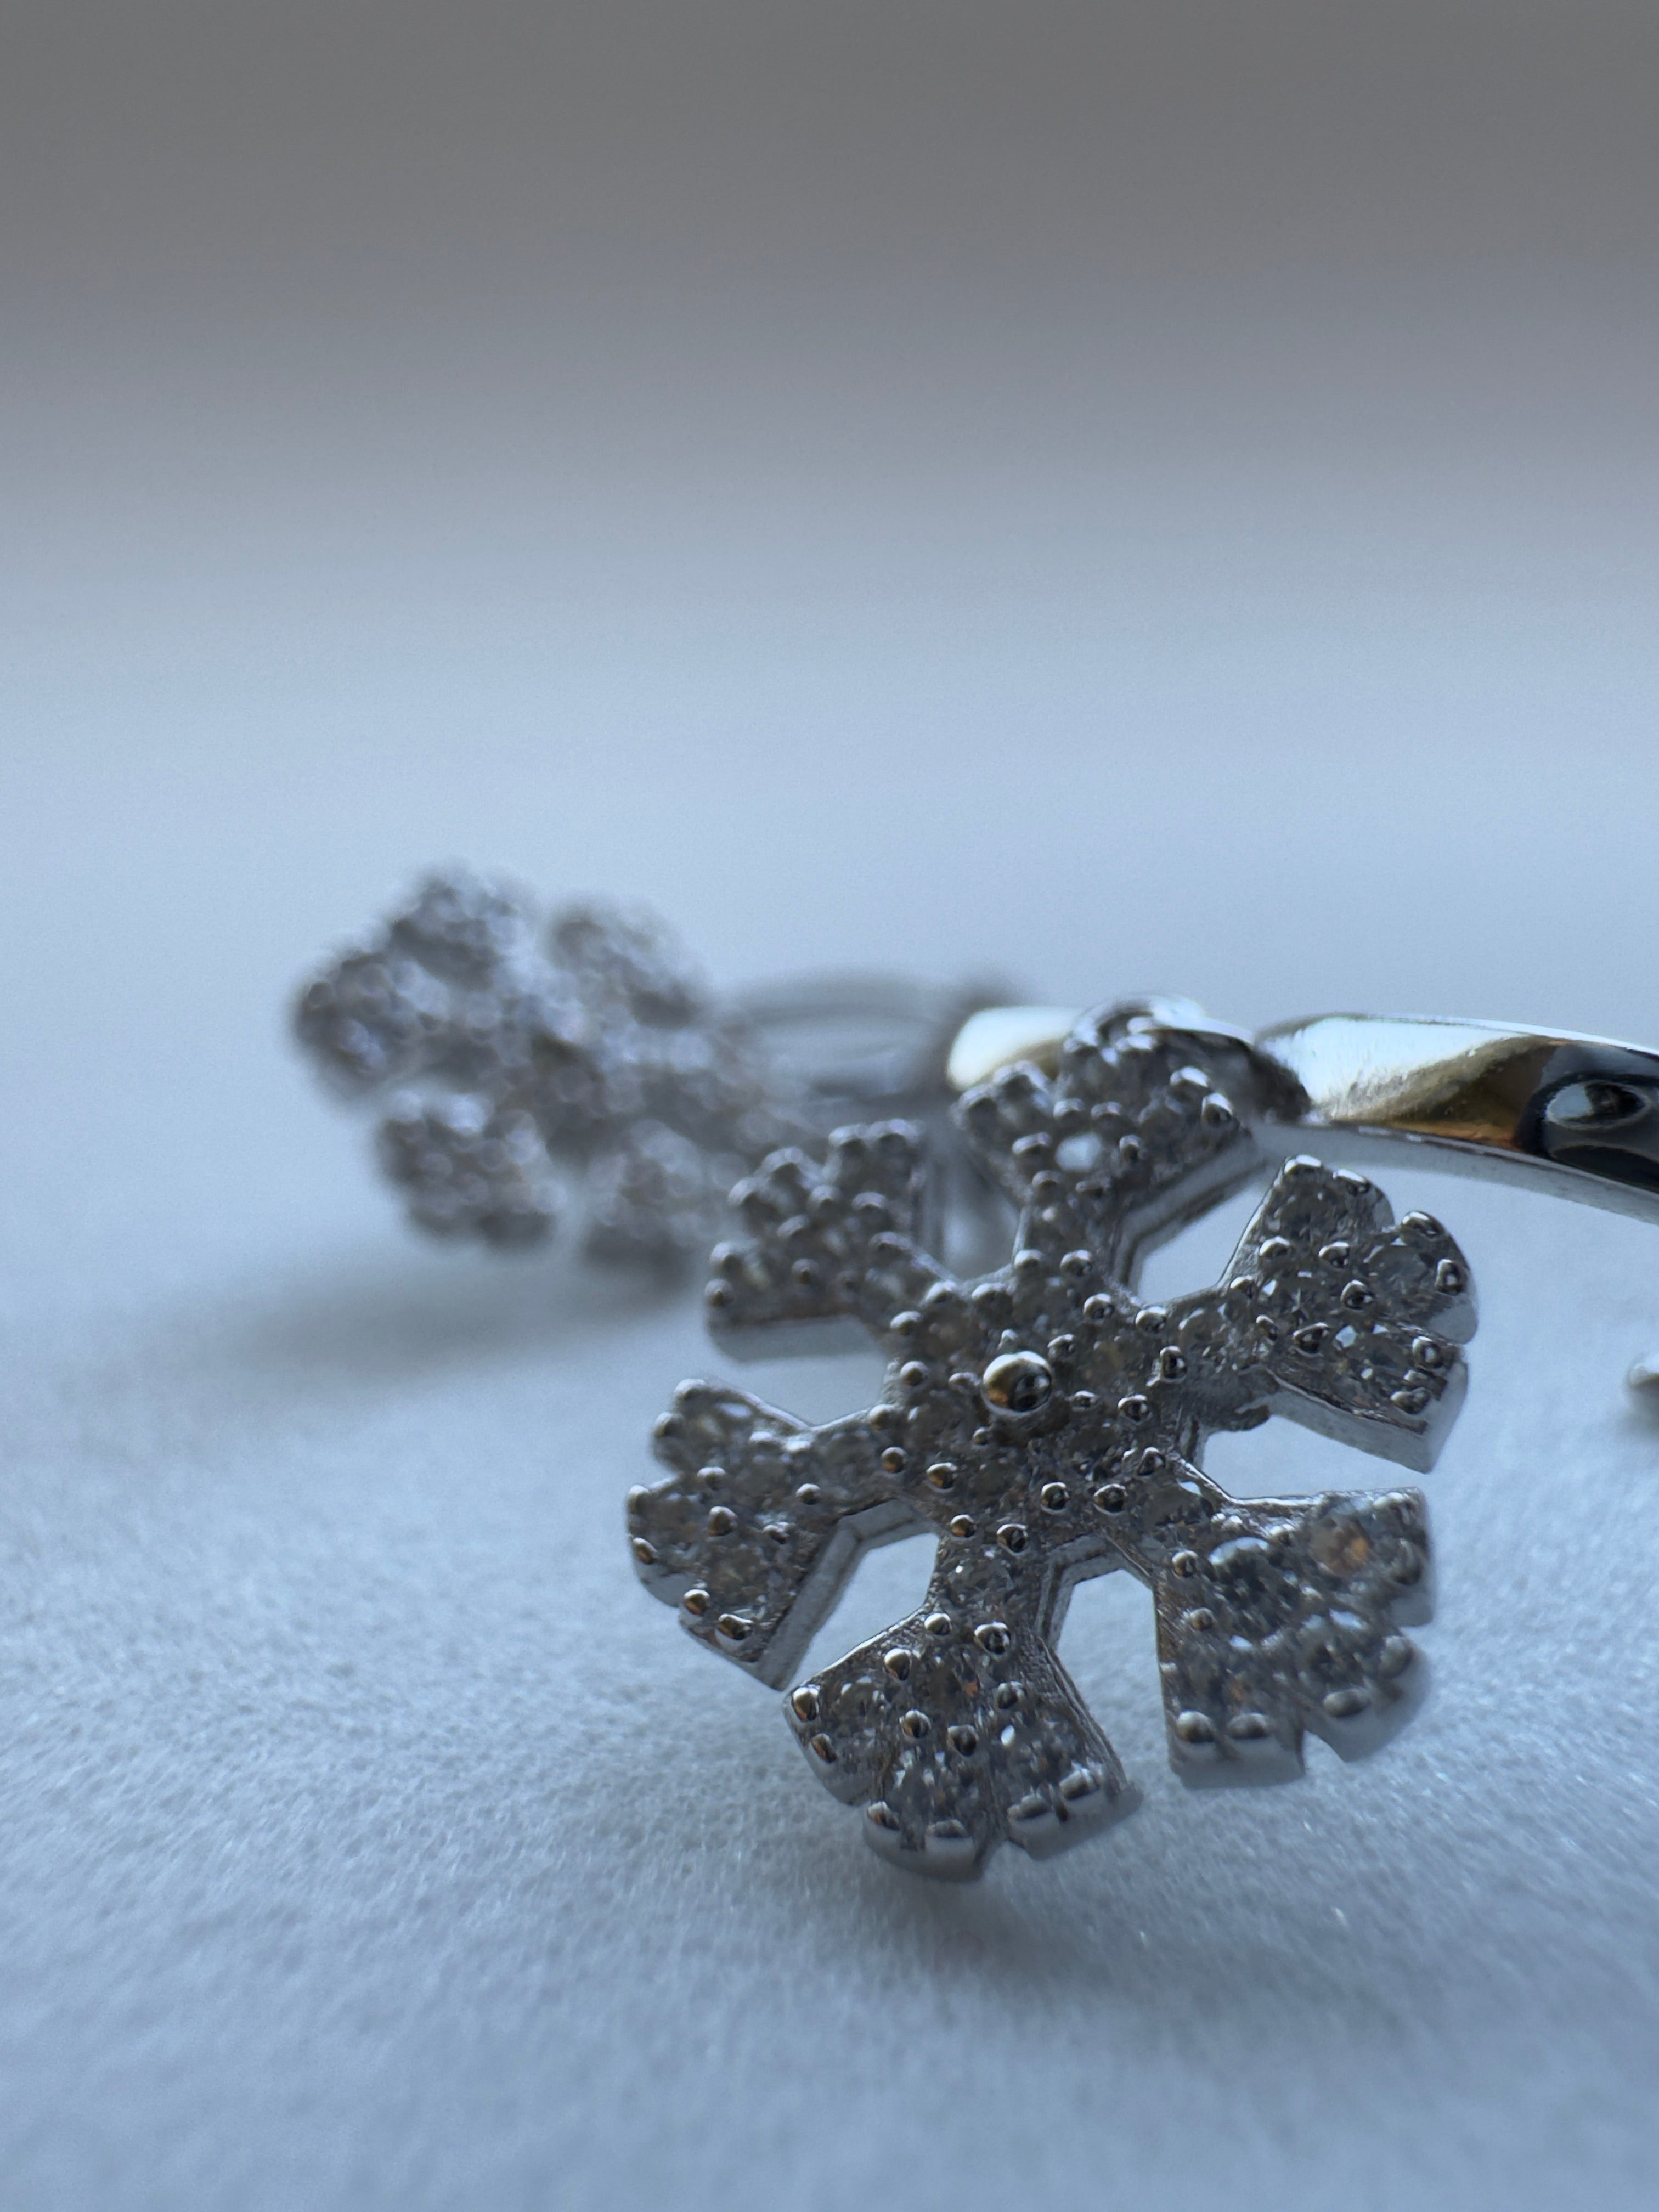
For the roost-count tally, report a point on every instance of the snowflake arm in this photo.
(763, 1521)
(959, 1728)
(628, 957)
(837, 1243)
(1335, 1315)
(469, 1168)
(1274, 1615)
(1144, 1127)
(653, 1195)
(373, 1016)
(398, 1004)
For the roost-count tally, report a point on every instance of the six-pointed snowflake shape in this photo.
(1048, 1427)
(592, 1044)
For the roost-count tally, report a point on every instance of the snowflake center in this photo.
(1017, 1382)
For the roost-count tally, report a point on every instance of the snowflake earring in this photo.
(1045, 1425)
(525, 1062)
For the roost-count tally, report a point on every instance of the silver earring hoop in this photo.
(526, 1062)
(1045, 1425)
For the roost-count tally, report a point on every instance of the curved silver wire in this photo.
(872, 1039)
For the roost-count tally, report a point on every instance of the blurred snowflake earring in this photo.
(526, 1065)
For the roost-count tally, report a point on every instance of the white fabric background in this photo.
(1272, 624)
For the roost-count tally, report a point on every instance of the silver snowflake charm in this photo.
(1047, 1427)
(512, 1051)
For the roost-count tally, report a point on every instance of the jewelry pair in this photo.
(1037, 1418)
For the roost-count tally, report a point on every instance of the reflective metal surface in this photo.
(1575, 1115)
(999, 1037)
(1547, 1109)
